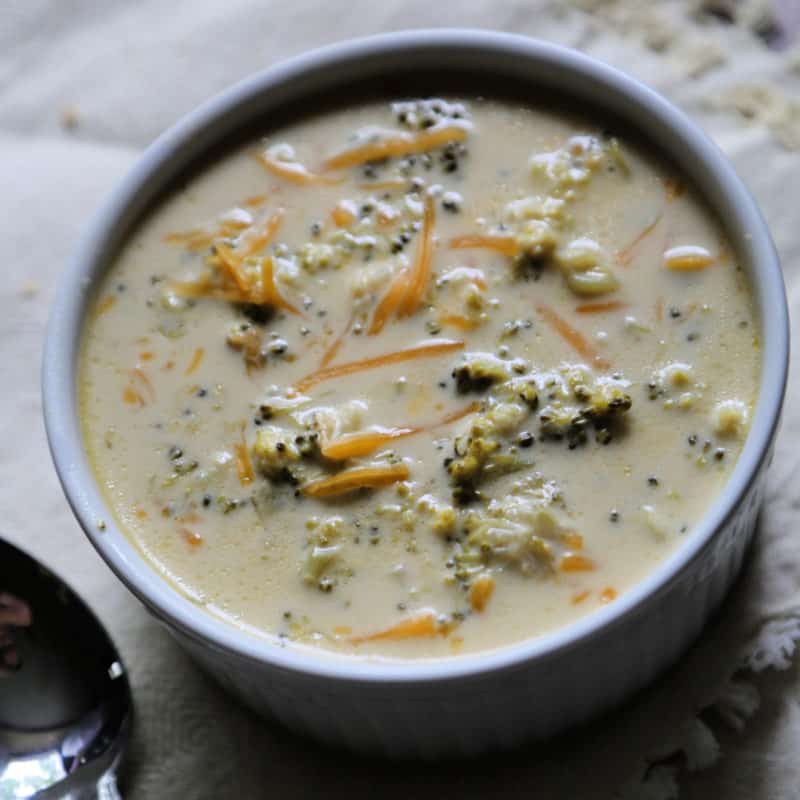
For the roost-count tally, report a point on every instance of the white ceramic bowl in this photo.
(469, 703)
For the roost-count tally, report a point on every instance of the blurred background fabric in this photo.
(85, 86)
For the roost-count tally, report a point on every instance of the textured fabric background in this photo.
(84, 86)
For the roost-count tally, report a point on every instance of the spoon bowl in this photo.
(65, 700)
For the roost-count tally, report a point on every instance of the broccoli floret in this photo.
(478, 372)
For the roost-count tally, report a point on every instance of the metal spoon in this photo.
(65, 701)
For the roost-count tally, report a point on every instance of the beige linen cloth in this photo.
(84, 86)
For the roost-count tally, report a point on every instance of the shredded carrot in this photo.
(394, 183)
(336, 345)
(399, 145)
(673, 189)
(359, 478)
(342, 630)
(195, 362)
(659, 309)
(191, 538)
(362, 443)
(572, 539)
(147, 355)
(106, 304)
(608, 594)
(293, 171)
(423, 626)
(139, 374)
(140, 513)
(391, 300)
(423, 350)
(269, 290)
(573, 562)
(687, 258)
(457, 321)
(232, 266)
(574, 338)
(507, 245)
(169, 365)
(254, 243)
(132, 397)
(481, 592)
(421, 270)
(599, 308)
(342, 214)
(354, 445)
(193, 240)
(579, 597)
(255, 200)
(625, 256)
(244, 467)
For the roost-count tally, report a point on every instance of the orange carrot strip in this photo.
(256, 242)
(191, 538)
(195, 362)
(421, 270)
(395, 183)
(573, 562)
(132, 397)
(579, 597)
(399, 145)
(342, 630)
(359, 478)
(336, 345)
(292, 171)
(507, 245)
(255, 200)
(687, 258)
(244, 466)
(362, 443)
(269, 291)
(342, 215)
(574, 338)
(423, 350)
(608, 594)
(625, 256)
(391, 300)
(454, 416)
(599, 308)
(141, 376)
(105, 305)
(573, 540)
(659, 309)
(423, 626)
(193, 240)
(457, 321)
(481, 592)
(232, 267)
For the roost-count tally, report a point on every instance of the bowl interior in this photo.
(410, 63)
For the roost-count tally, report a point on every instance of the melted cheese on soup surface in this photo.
(420, 378)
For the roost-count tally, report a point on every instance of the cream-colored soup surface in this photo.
(419, 378)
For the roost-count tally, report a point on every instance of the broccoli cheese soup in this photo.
(419, 378)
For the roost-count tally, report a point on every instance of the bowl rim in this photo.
(195, 131)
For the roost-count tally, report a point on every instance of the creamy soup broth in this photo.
(419, 379)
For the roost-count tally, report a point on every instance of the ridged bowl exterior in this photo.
(472, 703)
